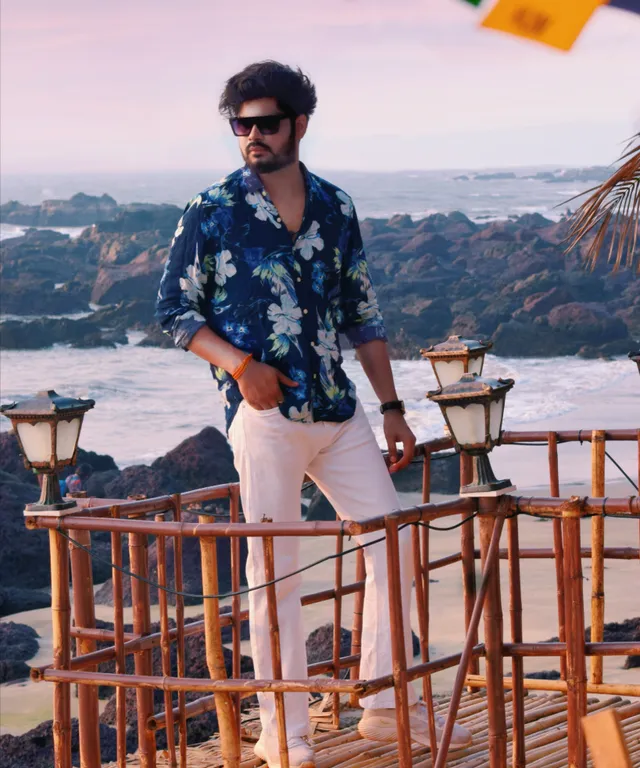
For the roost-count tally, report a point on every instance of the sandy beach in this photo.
(24, 704)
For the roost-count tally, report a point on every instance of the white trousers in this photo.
(272, 455)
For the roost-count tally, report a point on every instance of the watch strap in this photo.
(392, 405)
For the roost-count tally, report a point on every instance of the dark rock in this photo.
(40, 334)
(12, 461)
(545, 674)
(13, 670)
(18, 642)
(81, 209)
(618, 632)
(99, 462)
(34, 749)
(16, 600)
(320, 643)
(156, 338)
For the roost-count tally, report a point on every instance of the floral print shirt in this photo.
(235, 267)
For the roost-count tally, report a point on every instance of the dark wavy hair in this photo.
(291, 88)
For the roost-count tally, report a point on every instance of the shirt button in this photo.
(305, 311)
(278, 220)
(264, 193)
(298, 279)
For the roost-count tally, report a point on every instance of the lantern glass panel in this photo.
(449, 372)
(475, 364)
(467, 424)
(67, 438)
(495, 417)
(36, 440)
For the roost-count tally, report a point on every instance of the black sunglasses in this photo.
(268, 125)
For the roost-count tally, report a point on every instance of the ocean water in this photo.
(148, 400)
(417, 193)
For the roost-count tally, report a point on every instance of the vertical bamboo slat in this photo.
(276, 658)
(598, 447)
(490, 557)
(118, 628)
(139, 559)
(518, 749)
(398, 651)
(574, 611)
(554, 482)
(165, 642)
(467, 547)
(493, 639)
(229, 737)
(179, 582)
(84, 616)
(356, 628)
(337, 629)
(61, 620)
(236, 629)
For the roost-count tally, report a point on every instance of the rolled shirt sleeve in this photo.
(181, 295)
(362, 319)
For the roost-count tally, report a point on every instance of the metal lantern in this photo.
(452, 358)
(473, 409)
(48, 428)
(635, 356)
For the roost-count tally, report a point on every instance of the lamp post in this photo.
(473, 409)
(48, 428)
(452, 358)
(635, 356)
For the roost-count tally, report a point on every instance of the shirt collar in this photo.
(253, 182)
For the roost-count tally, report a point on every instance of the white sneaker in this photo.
(381, 725)
(300, 752)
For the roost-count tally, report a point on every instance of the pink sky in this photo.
(128, 85)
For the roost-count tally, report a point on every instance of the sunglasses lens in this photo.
(269, 125)
(241, 126)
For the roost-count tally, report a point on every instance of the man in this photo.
(77, 482)
(265, 270)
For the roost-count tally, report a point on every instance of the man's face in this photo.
(269, 153)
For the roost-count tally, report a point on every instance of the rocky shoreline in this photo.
(511, 281)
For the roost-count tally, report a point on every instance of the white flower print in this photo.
(368, 310)
(265, 210)
(285, 318)
(178, 232)
(303, 414)
(310, 240)
(190, 315)
(347, 204)
(195, 202)
(220, 195)
(327, 345)
(224, 267)
(192, 285)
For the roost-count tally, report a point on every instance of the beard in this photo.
(276, 161)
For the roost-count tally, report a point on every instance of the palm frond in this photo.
(613, 208)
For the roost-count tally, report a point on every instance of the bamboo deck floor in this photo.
(545, 730)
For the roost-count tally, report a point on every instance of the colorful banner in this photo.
(553, 22)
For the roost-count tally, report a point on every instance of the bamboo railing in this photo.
(161, 518)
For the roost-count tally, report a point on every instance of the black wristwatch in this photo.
(393, 405)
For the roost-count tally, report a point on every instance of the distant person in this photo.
(77, 482)
(265, 270)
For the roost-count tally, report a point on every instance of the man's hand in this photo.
(396, 430)
(261, 386)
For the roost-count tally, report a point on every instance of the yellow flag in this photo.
(554, 22)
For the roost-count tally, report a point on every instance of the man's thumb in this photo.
(286, 380)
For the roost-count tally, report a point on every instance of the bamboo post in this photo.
(84, 616)
(165, 642)
(61, 620)
(276, 658)
(398, 650)
(518, 750)
(181, 666)
(456, 693)
(139, 559)
(356, 628)
(118, 630)
(337, 629)
(423, 625)
(606, 740)
(421, 575)
(467, 547)
(236, 607)
(598, 448)
(557, 546)
(229, 739)
(493, 639)
(574, 611)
